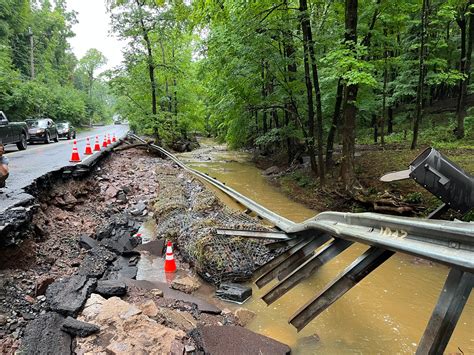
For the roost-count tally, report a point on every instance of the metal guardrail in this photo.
(321, 238)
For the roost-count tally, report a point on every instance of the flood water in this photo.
(385, 313)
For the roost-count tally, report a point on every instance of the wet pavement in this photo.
(39, 159)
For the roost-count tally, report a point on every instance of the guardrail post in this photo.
(446, 314)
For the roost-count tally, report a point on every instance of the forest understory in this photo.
(372, 161)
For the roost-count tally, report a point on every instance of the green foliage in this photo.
(414, 197)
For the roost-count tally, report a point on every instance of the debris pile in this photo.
(189, 214)
(61, 288)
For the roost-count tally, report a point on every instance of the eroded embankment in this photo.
(80, 255)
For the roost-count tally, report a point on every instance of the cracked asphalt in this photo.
(40, 158)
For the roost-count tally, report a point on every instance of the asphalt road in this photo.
(40, 158)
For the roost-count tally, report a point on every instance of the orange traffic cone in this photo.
(108, 139)
(104, 143)
(114, 139)
(97, 144)
(88, 150)
(170, 265)
(75, 158)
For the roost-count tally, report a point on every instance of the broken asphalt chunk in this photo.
(68, 295)
(44, 336)
(78, 328)
(109, 288)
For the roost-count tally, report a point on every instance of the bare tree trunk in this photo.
(309, 44)
(375, 126)
(309, 98)
(151, 67)
(349, 109)
(264, 96)
(390, 120)
(289, 110)
(167, 94)
(334, 124)
(384, 99)
(465, 66)
(175, 89)
(421, 74)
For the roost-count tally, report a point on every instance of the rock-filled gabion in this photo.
(189, 214)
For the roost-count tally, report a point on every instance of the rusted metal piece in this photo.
(300, 252)
(325, 254)
(253, 234)
(359, 269)
(445, 316)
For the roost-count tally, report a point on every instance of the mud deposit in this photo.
(74, 273)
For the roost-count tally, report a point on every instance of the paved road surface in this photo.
(40, 158)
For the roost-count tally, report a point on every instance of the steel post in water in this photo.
(445, 316)
(333, 249)
(359, 269)
(301, 252)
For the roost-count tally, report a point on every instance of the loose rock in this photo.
(124, 330)
(187, 284)
(244, 316)
(78, 328)
(149, 309)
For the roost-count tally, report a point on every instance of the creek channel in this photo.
(386, 313)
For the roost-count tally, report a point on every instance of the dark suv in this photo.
(43, 130)
(13, 132)
(66, 130)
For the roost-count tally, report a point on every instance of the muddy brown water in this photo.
(386, 313)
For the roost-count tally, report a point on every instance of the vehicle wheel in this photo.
(23, 143)
(57, 138)
(46, 139)
(68, 137)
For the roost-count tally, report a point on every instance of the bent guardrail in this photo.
(319, 239)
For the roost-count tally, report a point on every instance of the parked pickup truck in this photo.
(13, 132)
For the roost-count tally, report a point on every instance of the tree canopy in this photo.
(299, 75)
(39, 74)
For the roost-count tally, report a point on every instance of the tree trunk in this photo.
(384, 99)
(334, 124)
(465, 64)
(390, 120)
(421, 74)
(264, 96)
(309, 44)
(309, 98)
(168, 97)
(151, 69)
(349, 109)
(291, 70)
(375, 126)
(175, 88)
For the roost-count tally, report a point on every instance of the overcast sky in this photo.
(92, 31)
